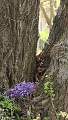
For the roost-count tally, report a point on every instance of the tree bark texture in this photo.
(57, 50)
(53, 61)
(18, 40)
(60, 23)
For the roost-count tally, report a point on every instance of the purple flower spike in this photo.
(22, 89)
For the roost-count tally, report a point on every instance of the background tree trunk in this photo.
(18, 40)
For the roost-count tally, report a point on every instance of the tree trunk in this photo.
(18, 40)
(59, 26)
(54, 59)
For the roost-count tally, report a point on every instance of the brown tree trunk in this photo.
(18, 40)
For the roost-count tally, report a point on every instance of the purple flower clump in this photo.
(21, 89)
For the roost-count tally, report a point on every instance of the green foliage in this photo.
(8, 104)
(48, 88)
(58, 116)
(46, 118)
(9, 108)
(44, 35)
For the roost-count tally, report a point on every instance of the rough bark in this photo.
(18, 40)
(59, 26)
(53, 61)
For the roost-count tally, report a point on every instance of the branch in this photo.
(46, 16)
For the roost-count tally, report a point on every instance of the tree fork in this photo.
(59, 25)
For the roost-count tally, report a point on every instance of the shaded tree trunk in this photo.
(18, 40)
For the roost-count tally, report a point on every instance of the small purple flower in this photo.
(21, 89)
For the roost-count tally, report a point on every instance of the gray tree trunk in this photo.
(57, 51)
(54, 61)
(18, 40)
